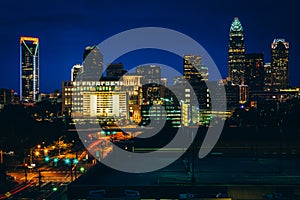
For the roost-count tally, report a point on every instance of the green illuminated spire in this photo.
(236, 25)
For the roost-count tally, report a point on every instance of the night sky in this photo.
(66, 27)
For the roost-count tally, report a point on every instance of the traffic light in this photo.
(55, 160)
(81, 169)
(25, 165)
(47, 158)
(54, 189)
(67, 161)
(75, 161)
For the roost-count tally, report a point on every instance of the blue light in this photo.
(67, 161)
(47, 159)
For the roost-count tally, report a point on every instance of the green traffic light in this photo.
(55, 160)
(54, 189)
(47, 159)
(81, 169)
(75, 161)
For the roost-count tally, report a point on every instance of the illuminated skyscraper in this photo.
(268, 76)
(29, 69)
(75, 71)
(192, 67)
(92, 64)
(236, 53)
(280, 64)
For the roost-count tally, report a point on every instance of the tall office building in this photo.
(29, 69)
(254, 71)
(115, 71)
(75, 71)
(92, 64)
(236, 53)
(149, 73)
(192, 65)
(268, 76)
(280, 64)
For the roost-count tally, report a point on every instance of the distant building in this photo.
(193, 70)
(54, 97)
(164, 109)
(6, 97)
(254, 71)
(75, 71)
(244, 94)
(149, 73)
(107, 99)
(232, 96)
(236, 53)
(29, 69)
(280, 64)
(92, 64)
(115, 70)
(268, 76)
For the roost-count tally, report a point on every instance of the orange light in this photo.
(33, 39)
(37, 153)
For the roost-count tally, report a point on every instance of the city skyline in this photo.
(212, 33)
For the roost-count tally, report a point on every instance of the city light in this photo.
(67, 161)
(55, 160)
(81, 169)
(47, 159)
(37, 153)
(75, 161)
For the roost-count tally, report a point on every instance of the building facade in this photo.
(280, 64)
(29, 69)
(75, 71)
(193, 70)
(115, 70)
(92, 64)
(254, 71)
(236, 53)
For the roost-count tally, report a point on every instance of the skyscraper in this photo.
(268, 76)
(75, 71)
(254, 71)
(92, 64)
(29, 69)
(115, 71)
(280, 64)
(149, 73)
(236, 53)
(192, 68)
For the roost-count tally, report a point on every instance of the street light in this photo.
(47, 159)
(67, 161)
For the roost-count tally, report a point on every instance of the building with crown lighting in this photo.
(280, 64)
(75, 71)
(29, 69)
(236, 53)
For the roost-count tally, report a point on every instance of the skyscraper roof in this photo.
(236, 25)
